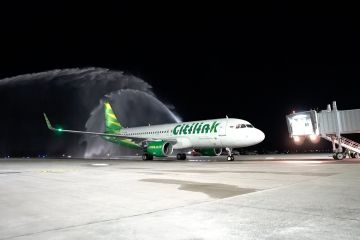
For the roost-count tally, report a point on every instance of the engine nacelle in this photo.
(159, 148)
(210, 151)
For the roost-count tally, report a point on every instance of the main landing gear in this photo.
(230, 157)
(147, 156)
(181, 156)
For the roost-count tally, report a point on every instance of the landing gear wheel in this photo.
(340, 156)
(230, 158)
(147, 156)
(356, 155)
(181, 156)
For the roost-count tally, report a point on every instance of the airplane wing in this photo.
(122, 136)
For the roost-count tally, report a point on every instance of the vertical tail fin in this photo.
(112, 125)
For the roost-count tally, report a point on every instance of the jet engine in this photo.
(159, 148)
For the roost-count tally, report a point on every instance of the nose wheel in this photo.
(230, 157)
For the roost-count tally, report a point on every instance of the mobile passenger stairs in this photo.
(328, 124)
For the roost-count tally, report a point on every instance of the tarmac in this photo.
(284, 196)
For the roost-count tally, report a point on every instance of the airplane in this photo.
(208, 137)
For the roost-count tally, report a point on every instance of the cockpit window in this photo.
(244, 126)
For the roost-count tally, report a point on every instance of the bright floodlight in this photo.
(299, 140)
(296, 138)
(314, 138)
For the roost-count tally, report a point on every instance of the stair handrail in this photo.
(344, 141)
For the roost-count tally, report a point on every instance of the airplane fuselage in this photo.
(224, 132)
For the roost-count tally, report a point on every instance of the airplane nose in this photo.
(260, 136)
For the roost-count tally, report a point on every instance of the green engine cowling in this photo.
(159, 148)
(210, 151)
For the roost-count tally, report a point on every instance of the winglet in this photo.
(48, 123)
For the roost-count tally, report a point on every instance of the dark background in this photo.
(245, 60)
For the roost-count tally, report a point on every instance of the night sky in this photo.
(251, 61)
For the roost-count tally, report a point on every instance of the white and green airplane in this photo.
(208, 137)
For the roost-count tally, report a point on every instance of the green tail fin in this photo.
(112, 125)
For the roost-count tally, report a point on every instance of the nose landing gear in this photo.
(230, 157)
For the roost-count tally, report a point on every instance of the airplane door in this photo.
(223, 127)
